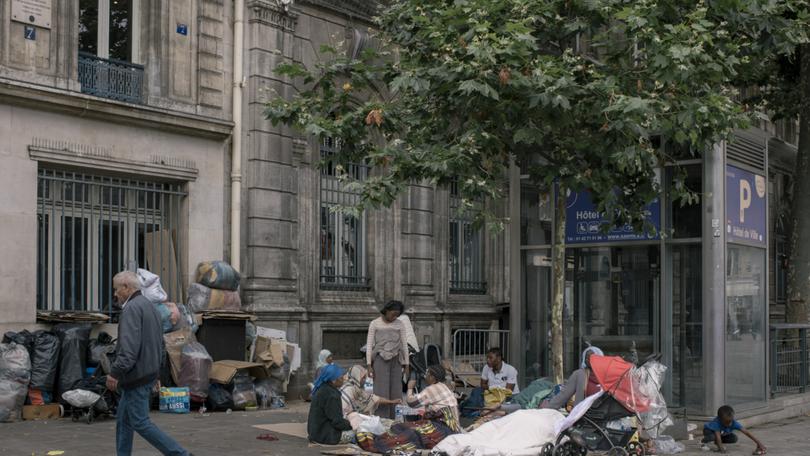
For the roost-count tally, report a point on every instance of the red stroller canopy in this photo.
(613, 374)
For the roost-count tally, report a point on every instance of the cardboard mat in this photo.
(292, 429)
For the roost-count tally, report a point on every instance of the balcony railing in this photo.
(111, 79)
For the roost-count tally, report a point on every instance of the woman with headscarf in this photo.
(387, 355)
(579, 385)
(440, 403)
(326, 424)
(356, 400)
(324, 359)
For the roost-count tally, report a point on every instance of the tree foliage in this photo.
(590, 93)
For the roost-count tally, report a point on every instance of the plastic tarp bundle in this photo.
(648, 380)
(150, 286)
(44, 361)
(522, 433)
(174, 343)
(15, 375)
(531, 396)
(195, 367)
(201, 298)
(74, 340)
(218, 275)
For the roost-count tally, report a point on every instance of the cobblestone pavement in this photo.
(224, 434)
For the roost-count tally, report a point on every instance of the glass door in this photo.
(617, 293)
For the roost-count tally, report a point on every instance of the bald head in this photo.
(125, 283)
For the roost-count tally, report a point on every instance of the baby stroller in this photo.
(430, 355)
(609, 422)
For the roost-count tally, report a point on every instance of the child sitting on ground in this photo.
(721, 429)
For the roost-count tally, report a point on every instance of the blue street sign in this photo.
(182, 29)
(746, 210)
(30, 32)
(583, 223)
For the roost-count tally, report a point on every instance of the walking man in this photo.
(137, 364)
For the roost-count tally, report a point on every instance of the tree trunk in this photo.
(558, 298)
(799, 248)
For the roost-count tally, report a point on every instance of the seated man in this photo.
(498, 374)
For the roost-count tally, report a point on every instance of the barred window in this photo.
(466, 250)
(90, 227)
(343, 236)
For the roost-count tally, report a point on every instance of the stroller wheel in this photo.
(90, 417)
(617, 451)
(547, 450)
(570, 448)
(636, 449)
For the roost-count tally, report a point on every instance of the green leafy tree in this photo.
(583, 95)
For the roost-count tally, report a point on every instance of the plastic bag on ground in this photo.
(219, 398)
(15, 375)
(44, 361)
(218, 274)
(244, 393)
(73, 340)
(266, 391)
(150, 286)
(80, 398)
(667, 445)
(202, 298)
(647, 381)
(373, 425)
(195, 367)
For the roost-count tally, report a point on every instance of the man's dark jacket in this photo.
(326, 422)
(139, 352)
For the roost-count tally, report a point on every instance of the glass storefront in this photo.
(536, 294)
(745, 324)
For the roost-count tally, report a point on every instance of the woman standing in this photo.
(387, 355)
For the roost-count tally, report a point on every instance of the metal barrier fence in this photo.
(790, 367)
(470, 347)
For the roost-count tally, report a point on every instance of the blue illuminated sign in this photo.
(583, 222)
(746, 209)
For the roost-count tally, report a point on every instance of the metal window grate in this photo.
(466, 261)
(111, 79)
(342, 236)
(90, 227)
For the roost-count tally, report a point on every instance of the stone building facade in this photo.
(321, 276)
(114, 132)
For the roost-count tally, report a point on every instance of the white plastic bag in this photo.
(80, 398)
(373, 425)
(667, 445)
(150, 286)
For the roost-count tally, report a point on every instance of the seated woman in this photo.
(326, 424)
(324, 359)
(579, 385)
(440, 403)
(356, 401)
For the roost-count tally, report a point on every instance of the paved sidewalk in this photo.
(225, 434)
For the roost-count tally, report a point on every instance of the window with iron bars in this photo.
(342, 236)
(90, 227)
(466, 249)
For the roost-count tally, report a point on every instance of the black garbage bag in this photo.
(74, 340)
(44, 360)
(100, 352)
(219, 398)
(24, 338)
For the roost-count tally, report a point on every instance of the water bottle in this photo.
(399, 411)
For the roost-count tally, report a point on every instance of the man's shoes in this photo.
(705, 447)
